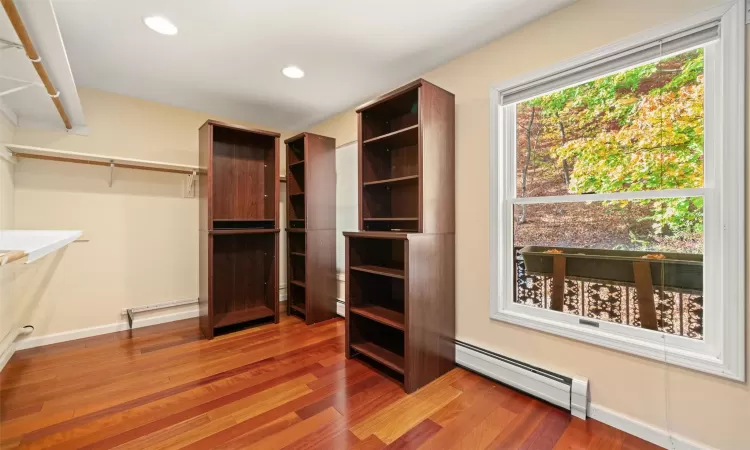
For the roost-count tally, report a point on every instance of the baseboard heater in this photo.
(131, 312)
(560, 390)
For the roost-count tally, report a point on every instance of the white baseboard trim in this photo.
(7, 354)
(340, 308)
(643, 430)
(38, 341)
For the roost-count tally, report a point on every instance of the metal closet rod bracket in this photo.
(191, 184)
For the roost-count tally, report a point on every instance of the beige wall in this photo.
(700, 407)
(7, 274)
(142, 232)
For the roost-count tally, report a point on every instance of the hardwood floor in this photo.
(273, 386)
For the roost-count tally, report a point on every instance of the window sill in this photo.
(626, 344)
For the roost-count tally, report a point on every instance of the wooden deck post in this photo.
(558, 283)
(644, 288)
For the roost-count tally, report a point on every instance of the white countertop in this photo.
(36, 244)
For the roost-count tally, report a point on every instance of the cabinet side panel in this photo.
(320, 275)
(437, 110)
(204, 256)
(431, 321)
(320, 182)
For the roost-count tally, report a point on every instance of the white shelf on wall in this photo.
(32, 245)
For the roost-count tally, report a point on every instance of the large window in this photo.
(616, 197)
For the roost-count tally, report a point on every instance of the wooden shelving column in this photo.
(311, 227)
(239, 226)
(400, 277)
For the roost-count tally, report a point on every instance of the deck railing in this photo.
(678, 312)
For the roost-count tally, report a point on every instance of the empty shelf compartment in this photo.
(377, 341)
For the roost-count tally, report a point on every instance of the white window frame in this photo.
(722, 350)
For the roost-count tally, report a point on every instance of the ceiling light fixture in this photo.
(161, 25)
(293, 72)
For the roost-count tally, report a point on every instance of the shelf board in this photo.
(246, 315)
(377, 234)
(391, 180)
(296, 163)
(298, 283)
(243, 220)
(378, 270)
(216, 231)
(296, 193)
(296, 230)
(393, 219)
(381, 355)
(393, 319)
(399, 135)
(297, 253)
(298, 309)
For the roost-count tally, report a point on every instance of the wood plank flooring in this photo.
(269, 387)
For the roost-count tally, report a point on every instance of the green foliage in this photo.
(636, 130)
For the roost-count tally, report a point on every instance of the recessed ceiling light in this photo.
(293, 72)
(160, 25)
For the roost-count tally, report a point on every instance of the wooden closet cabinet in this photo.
(311, 227)
(400, 274)
(239, 226)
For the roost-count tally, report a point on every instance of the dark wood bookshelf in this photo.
(400, 274)
(311, 227)
(238, 226)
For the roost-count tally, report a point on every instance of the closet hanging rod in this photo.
(27, 151)
(36, 60)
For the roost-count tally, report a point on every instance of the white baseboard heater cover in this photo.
(560, 390)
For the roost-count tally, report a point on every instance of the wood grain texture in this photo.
(272, 386)
(239, 225)
(311, 197)
(430, 308)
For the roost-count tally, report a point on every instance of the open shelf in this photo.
(397, 113)
(298, 309)
(295, 179)
(244, 181)
(298, 283)
(392, 180)
(382, 355)
(247, 315)
(393, 319)
(243, 224)
(295, 150)
(296, 194)
(229, 231)
(398, 138)
(296, 163)
(296, 254)
(384, 271)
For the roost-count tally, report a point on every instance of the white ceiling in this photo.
(228, 54)
(32, 107)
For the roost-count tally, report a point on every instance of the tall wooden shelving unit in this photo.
(239, 226)
(311, 227)
(400, 277)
